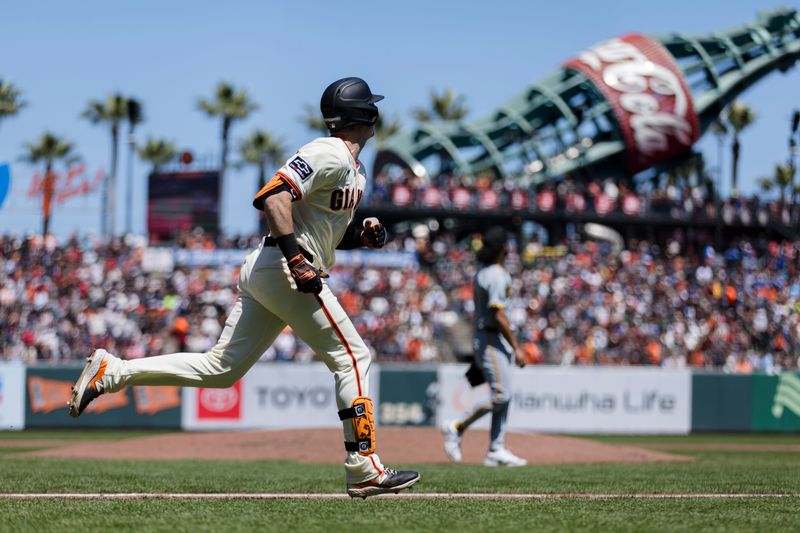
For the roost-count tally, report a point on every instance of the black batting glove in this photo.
(307, 278)
(374, 233)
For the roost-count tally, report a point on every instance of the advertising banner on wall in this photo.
(270, 395)
(12, 395)
(409, 396)
(579, 400)
(721, 402)
(776, 402)
(178, 201)
(48, 390)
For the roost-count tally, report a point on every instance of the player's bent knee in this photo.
(357, 354)
(218, 371)
(361, 413)
(362, 353)
(226, 379)
(498, 404)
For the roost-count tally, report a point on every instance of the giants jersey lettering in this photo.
(328, 185)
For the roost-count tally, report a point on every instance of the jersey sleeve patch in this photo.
(301, 168)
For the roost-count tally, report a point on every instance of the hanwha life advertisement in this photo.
(579, 400)
(270, 395)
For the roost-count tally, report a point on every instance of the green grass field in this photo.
(719, 472)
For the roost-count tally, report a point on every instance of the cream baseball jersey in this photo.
(327, 186)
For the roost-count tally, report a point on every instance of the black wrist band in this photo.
(288, 245)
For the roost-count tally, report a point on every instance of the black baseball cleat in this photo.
(389, 481)
(90, 383)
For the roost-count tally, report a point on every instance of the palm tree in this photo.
(720, 131)
(783, 179)
(260, 149)
(10, 102)
(313, 120)
(135, 117)
(157, 152)
(385, 129)
(766, 185)
(231, 105)
(740, 116)
(445, 106)
(48, 149)
(113, 111)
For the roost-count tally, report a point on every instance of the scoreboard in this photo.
(178, 201)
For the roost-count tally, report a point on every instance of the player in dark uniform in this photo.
(495, 351)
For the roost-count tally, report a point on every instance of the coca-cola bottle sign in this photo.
(648, 94)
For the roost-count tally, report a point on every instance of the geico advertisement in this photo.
(12, 395)
(270, 395)
(580, 400)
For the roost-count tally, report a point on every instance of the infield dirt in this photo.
(395, 445)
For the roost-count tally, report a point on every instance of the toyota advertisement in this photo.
(279, 395)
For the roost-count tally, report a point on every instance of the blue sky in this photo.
(167, 54)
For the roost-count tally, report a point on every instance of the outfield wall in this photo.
(753, 402)
(48, 388)
(544, 399)
(270, 395)
(579, 400)
(12, 395)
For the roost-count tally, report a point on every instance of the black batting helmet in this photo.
(347, 102)
(494, 245)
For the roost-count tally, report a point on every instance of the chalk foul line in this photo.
(405, 495)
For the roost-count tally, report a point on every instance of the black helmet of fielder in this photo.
(494, 245)
(347, 102)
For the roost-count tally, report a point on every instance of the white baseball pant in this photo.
(267, 302)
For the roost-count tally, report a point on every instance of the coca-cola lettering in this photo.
(640, 79)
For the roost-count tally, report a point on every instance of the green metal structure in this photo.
(628, 104)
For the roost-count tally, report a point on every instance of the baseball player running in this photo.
(495, 350)
(309, 205)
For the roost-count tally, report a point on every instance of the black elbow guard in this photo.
(276, 184)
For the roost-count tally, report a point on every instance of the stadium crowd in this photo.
(579, 303)
(674, 198)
